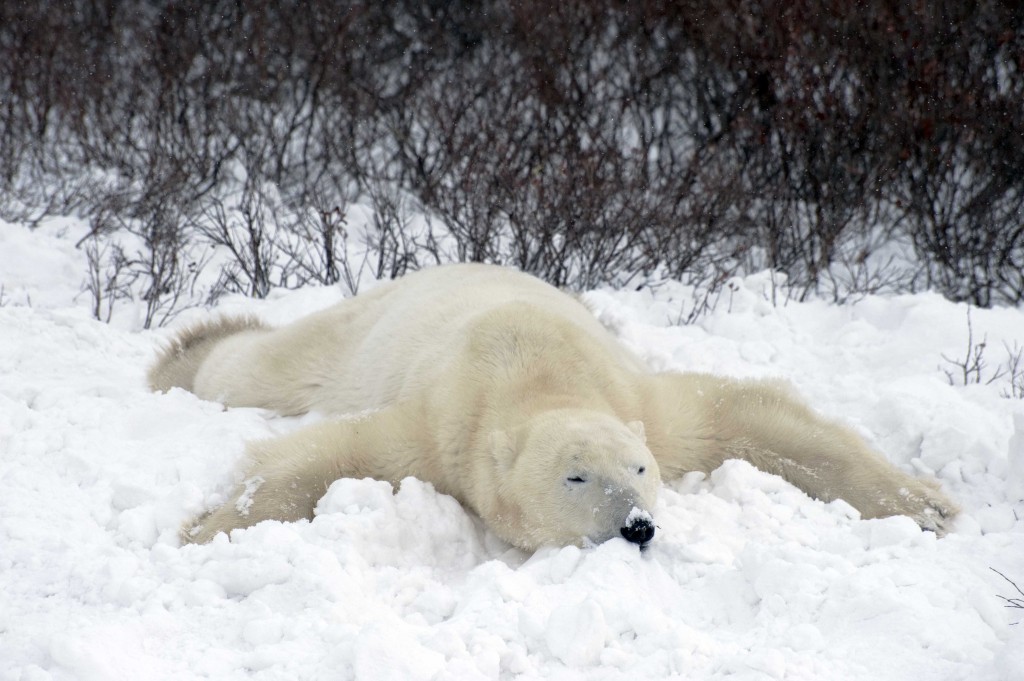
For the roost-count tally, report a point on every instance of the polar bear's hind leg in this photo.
(178, 363)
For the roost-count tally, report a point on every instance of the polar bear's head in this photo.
(571, 476)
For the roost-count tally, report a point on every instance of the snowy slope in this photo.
(747, 578)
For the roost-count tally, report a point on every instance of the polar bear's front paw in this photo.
(928, 507)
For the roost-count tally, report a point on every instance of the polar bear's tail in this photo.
(178, 363)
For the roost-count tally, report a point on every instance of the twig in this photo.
(973, 364)
(1011, 601)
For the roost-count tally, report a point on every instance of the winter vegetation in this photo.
(855, 148)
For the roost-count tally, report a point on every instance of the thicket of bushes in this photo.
(583, 141)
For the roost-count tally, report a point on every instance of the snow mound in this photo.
(747, 578)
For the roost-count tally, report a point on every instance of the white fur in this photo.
(505, 392)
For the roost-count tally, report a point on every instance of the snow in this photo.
(637, 514)
(747, 578)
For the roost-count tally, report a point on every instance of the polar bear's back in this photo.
(409, 331)
(400, 340)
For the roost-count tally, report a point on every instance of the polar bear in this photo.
(509, 395)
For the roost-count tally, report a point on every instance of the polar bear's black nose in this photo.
(638, 531)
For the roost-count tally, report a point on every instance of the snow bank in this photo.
(747, 579)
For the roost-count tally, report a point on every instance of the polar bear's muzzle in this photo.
(623, 512)
(639, 527)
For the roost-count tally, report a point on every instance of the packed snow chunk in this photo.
(770, 663)
(414, 526)
(577, 633)
(352, 497)
(882, 532)
(242, 575)
(391, 652)
(997, 517)
(126, 496)
(436, 603)
(564, 562)
(741, 482)
(263, 631)
(100, 652)
(1015, 474)
(804, 636)
(764, 500)
(1008, 664)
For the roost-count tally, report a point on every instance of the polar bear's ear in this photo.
(638, 429)
(502, 450)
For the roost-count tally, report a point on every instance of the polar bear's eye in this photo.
(641, 470)
(576, 479)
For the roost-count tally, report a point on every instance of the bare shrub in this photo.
(157, 265)
(248, 231)
(318, 245)
(973, 368)
(392, 249)
(109, 277)
(585, 142)
(1014, 364)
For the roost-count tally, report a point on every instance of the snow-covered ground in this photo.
(747, 578)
